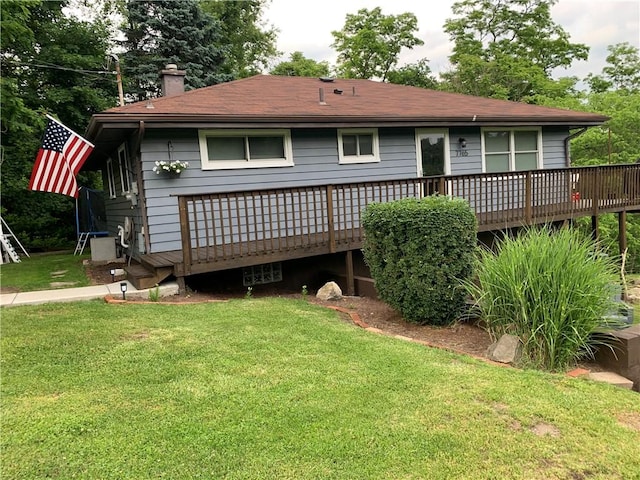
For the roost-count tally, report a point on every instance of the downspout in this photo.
(141, 192)
(567, 156)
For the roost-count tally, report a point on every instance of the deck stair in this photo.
(143, 277)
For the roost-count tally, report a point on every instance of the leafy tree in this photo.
(370, 42)
(300, 66)
(159, 32)
(250, 44)
(613, 93)
(48, 66)
(622, 71)
(507, 48)
(414, 74)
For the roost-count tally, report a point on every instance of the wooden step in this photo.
(143, 278)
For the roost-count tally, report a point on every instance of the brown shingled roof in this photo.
(266, 98)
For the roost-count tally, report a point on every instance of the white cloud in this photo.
(306, 26)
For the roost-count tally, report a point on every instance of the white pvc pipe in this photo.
(121, 234)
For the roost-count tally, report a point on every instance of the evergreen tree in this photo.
(159, 32)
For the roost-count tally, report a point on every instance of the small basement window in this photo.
(358, 145)
(228, 149)
(261, 274)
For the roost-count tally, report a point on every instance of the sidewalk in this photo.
(82, 293)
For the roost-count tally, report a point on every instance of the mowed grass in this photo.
(38, 271)
(282, 389)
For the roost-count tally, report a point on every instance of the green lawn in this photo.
(39, 271)
(282, 389)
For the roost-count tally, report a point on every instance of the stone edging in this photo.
(355, 318)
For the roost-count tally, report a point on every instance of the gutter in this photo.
(160, 120)
(567, 157)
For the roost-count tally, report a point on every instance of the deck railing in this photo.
(298, 221)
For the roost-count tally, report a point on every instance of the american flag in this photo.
(59, 160)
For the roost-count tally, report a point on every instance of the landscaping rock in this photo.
(506, 350)
(329, 291)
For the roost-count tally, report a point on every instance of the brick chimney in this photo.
(172, 80)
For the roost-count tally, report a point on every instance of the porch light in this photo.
(123, 289)
(113, 274)
(462, 142)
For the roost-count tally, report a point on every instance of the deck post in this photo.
(182, 286)
(595, 220)
(596, 191)
(331, 223)
(528, 202)
(185, 234)
(351, 285)
(622, 231)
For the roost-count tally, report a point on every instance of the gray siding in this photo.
(120, 207)
(315, 153)
(553, 147)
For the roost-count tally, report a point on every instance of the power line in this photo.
(60, 67)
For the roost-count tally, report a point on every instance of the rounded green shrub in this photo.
(418, 251)
(551, 288)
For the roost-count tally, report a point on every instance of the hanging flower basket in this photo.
(174, 168)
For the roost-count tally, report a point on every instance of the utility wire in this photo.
(59, 67)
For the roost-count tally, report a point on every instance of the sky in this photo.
(306, 26)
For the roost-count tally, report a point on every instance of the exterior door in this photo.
(433, 152)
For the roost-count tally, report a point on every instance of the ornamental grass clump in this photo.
(551, 288)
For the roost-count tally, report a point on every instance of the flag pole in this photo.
(67, 128)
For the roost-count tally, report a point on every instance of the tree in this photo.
(251, 45)
(159, 32)
(369, 43)
(300, 66)
(622, 71)
(507, 48)
(50, 64)
(414, 74)
(613, 93)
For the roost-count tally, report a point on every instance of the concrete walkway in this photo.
(82, 293)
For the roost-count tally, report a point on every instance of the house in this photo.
(280, 167)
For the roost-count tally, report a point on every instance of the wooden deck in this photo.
(230, 230)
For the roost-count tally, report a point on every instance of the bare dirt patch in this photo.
(543, 429)
(630, 420)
